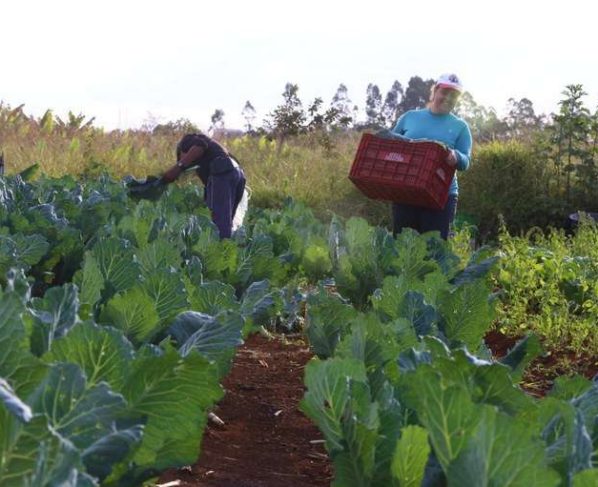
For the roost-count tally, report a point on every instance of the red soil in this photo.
(266, 441)
(540, 374)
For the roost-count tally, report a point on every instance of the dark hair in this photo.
(188, 141)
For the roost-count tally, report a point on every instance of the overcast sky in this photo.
(125, 62)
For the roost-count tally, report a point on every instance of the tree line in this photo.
(292, 116)
(566, 141)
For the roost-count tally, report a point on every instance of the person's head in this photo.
(188, 141)
(445, 93)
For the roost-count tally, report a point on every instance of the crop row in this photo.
(121, 317)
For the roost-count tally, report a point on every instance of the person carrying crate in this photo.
(223, 178)
(437, 123)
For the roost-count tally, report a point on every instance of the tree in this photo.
(483, 122)
(74, 123)
(288, 118)
(217, 120)
(177, 127)
(417, 94)
(342, 104)
(12, 117)
(355, 111)
(521, 118)
(316, 119)
(390, 108)
(373, 107)
(571, 133)
(249, 116)
(588, 170)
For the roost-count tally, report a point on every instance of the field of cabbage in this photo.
(119, 321)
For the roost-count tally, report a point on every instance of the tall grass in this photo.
(305, 168)
(59, 151)
(508, 178)
(308, 171)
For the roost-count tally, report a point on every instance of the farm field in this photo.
(408, 360)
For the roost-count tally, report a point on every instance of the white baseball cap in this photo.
(450, 80)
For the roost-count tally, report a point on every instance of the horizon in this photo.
(151, 119)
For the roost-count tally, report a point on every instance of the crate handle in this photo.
(441, 174)
(396, 157)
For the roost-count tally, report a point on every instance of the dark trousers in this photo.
(223, 194)
(424, 219)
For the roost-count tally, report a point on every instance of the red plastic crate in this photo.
(403, 171)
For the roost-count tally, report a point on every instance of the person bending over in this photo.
(223, 178)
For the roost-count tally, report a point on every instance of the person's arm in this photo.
(462, 151)
(399, 127)
(186, 159)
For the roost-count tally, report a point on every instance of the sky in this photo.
(129, 62)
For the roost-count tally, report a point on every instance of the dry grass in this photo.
(305, 168)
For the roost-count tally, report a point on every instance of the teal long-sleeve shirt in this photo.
(446, 128)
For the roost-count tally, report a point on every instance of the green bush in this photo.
(512, 180)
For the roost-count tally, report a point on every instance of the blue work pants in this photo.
(424, 219)
(223, 194)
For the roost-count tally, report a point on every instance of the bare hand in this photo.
(173, 173)
(451, 159)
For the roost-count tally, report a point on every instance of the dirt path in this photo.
(266, 441)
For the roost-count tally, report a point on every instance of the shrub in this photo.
(509, 179)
